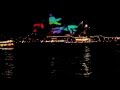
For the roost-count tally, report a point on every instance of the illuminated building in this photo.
(58, 28)
(82, 39)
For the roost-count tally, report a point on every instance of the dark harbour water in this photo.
(54, 62)
(7, 65)
(65, 62)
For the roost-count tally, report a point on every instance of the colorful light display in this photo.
(57, 30)
(58, 27)
(41, 25)
(53, 20)
(38, 25)
(72, 28)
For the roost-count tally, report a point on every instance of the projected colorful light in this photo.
(71, 28)
(53, 20)
(39, 25)
(58, 27)
(57, 30)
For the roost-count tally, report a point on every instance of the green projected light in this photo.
(53, 20)
(71, 28)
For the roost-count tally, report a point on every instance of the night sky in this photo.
(101, 16)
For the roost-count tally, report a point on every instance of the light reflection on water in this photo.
(7, 62)
(86, 63)
(76, 66)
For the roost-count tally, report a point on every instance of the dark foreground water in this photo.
(68, 61)
(56, 62)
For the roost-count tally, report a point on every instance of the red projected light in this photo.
(38, 25)
(34, 30)
(41, 25)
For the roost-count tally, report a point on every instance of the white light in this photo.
(86, 25)
(81, 22)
